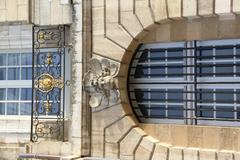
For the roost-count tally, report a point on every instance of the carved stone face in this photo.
(106, 82)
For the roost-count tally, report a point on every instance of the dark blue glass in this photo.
(26, 73)
(26, 58)
(13, 94)
(2, 73)
(13, 74)
(26, 94)
(25, 108)
(13, 59)
(2, 108)
(12, 108)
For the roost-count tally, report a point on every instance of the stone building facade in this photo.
(113, 30)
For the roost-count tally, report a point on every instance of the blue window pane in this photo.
(223, 112)
(2, 73)
(25, 108)
(158, 94)
(26, 94)
(226, 96)
(12, 108)
(26, 59)
(205, 111)
(13, 74)
(158, 111)
(2, 108)
(26, 73)
(175, 111)
(2, 93)
(13, 94)
(175, 95)
(205, 54)
(13, 59)
(224, 53)
(2, 59)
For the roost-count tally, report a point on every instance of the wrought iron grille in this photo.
(48, 90)
(187, 82)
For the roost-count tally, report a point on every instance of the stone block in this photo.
(111, 150)
(236, 6)
(175, 153)
(159, 8)
(161, 151)
(2, 15)
(116, 131)
(178, 30)
(11, 6)
(106, 48)
(194, 30)
(160, 132)
(195, 136)
(174, 9)
(190, 154)
(111, 11)
(98, 21)
(129, 144)
(45, 12)
(190, 8)
(66, 14)
(145, 148)
(142, 10)
(223, 7)
(228, 137)
(56, 7)
(225, 155)
(118, 35)
(209, 28)
(206, 8)
(178, 135)
(2, 4)
(131, 23)
(207, 154)
(97, 3)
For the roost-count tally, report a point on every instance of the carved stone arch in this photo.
(115, 131)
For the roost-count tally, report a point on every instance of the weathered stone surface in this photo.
(175, 153)
(161, 151)
(190, 154)
(225, 155)
(236, 6)
(205, 8)
(190, 8)
(174, 9)
(223, 7)
(129, 144)
(159, 8)
(143, 12)
(145, 148)
(207, 154)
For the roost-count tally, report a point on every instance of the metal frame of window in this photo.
(182, 69)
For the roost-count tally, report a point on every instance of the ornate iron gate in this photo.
(49, 46)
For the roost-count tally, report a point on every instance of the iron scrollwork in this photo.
(47, 119)
(101, 83)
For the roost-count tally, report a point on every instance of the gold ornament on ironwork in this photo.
(49, 60)
(46, 82)
(48, 106)
(44, 36)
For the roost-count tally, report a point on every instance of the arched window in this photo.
(195, 82)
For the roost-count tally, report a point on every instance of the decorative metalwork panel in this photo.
(47, 119)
